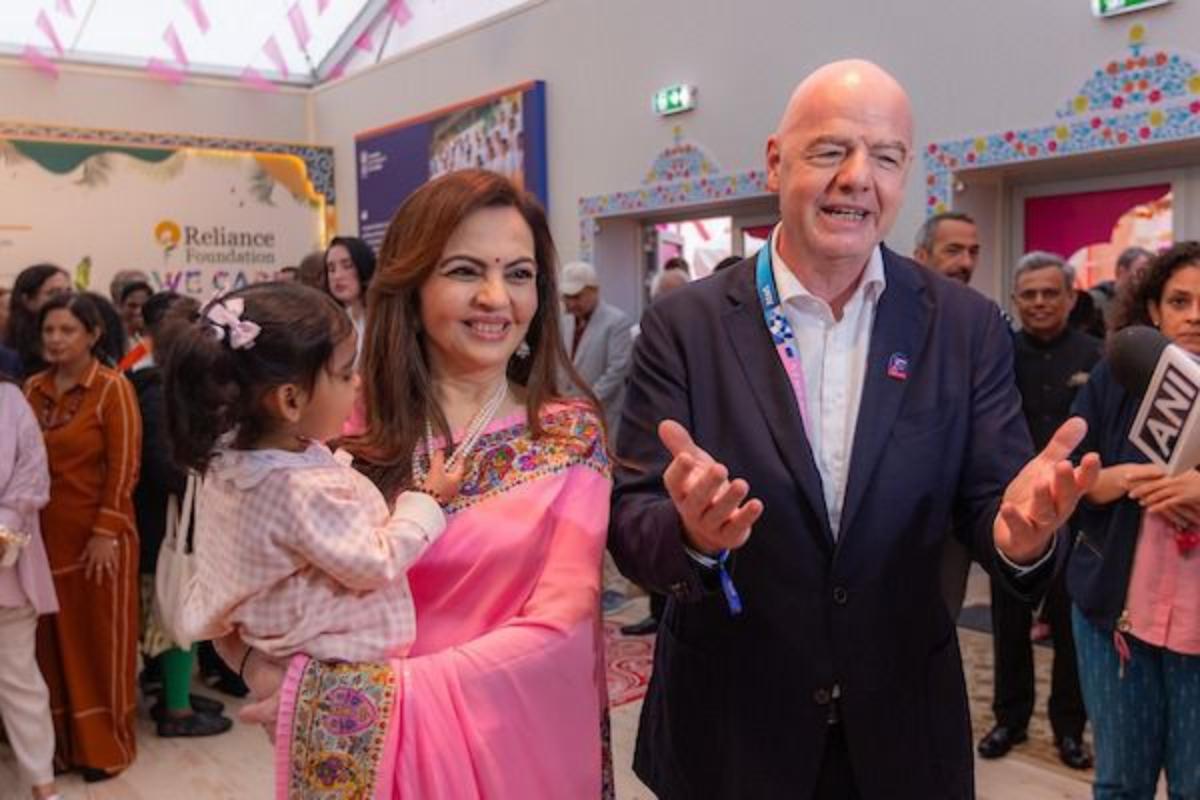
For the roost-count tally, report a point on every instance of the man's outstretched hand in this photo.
(1043, 495)
(715, 513)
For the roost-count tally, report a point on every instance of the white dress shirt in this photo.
(833, 356)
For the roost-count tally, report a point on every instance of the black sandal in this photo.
(93, 775)
(200, 704)
(195, 724)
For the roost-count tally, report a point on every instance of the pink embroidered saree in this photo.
(503, 691)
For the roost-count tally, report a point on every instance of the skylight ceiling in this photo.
(294, 41)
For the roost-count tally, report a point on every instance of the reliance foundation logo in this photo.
(215, 244)
(167, 233)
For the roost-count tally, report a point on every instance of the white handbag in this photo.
(176, 565)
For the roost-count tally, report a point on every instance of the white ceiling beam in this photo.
(367, 17)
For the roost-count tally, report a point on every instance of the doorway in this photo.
(1083, 207)
(630, 249)
(1091, 229)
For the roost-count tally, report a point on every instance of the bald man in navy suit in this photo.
(799, 432)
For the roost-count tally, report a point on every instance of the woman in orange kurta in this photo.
(89, 417)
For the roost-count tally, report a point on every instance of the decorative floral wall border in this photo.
(683, 159)
(682, 175)
(1147, 97)
(318, 160)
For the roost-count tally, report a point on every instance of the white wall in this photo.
(110, 98)
(971, 67)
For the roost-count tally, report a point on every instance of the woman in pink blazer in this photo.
(26, 590)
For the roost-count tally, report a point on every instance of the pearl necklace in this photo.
(474, 430)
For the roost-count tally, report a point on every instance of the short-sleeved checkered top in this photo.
(297, 552)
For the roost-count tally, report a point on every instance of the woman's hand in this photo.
(1135, 476)
(1119, 480)
(440, 483)
(100, 557)
(1177, 498)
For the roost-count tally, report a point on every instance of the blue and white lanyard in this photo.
(785, 346)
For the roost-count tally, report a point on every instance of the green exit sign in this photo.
(1109, 8)
(674, 99)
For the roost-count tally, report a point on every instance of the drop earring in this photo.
(523, 350)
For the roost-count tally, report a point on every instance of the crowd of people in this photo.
(401, 479)
(101, 478)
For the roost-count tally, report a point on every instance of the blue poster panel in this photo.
(504, 131)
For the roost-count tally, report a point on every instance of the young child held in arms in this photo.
(296, 551)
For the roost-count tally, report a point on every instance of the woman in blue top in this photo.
(1134, 573)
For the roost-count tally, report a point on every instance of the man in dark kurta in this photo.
(1052, 361)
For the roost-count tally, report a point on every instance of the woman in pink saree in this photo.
(502, 694)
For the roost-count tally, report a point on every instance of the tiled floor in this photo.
(237, 765)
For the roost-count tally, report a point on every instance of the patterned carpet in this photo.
(629, 659)
(977, 664)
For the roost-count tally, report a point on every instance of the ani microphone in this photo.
(1167, 426)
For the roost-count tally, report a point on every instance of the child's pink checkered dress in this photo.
(298, 553)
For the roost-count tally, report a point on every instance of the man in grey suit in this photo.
(598, 337)
(948, 243)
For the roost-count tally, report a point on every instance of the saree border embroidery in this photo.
(508, 458)
(342, 713)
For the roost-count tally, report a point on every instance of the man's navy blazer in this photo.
(738, 706)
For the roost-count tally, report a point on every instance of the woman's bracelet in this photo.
(437, 498)
(242, 668)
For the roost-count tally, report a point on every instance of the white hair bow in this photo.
(226, 318)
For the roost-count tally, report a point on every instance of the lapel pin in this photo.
(897, 368)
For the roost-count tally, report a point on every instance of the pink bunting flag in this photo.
(336, 72)
(171, 37)
(399, 11)
(271, 48)
(254, 79)
(299, 24)
(364, 42)
(157, 68)
(197, 9)
(64, 7)
(36, 59)
(321, 6)
(47, 27)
